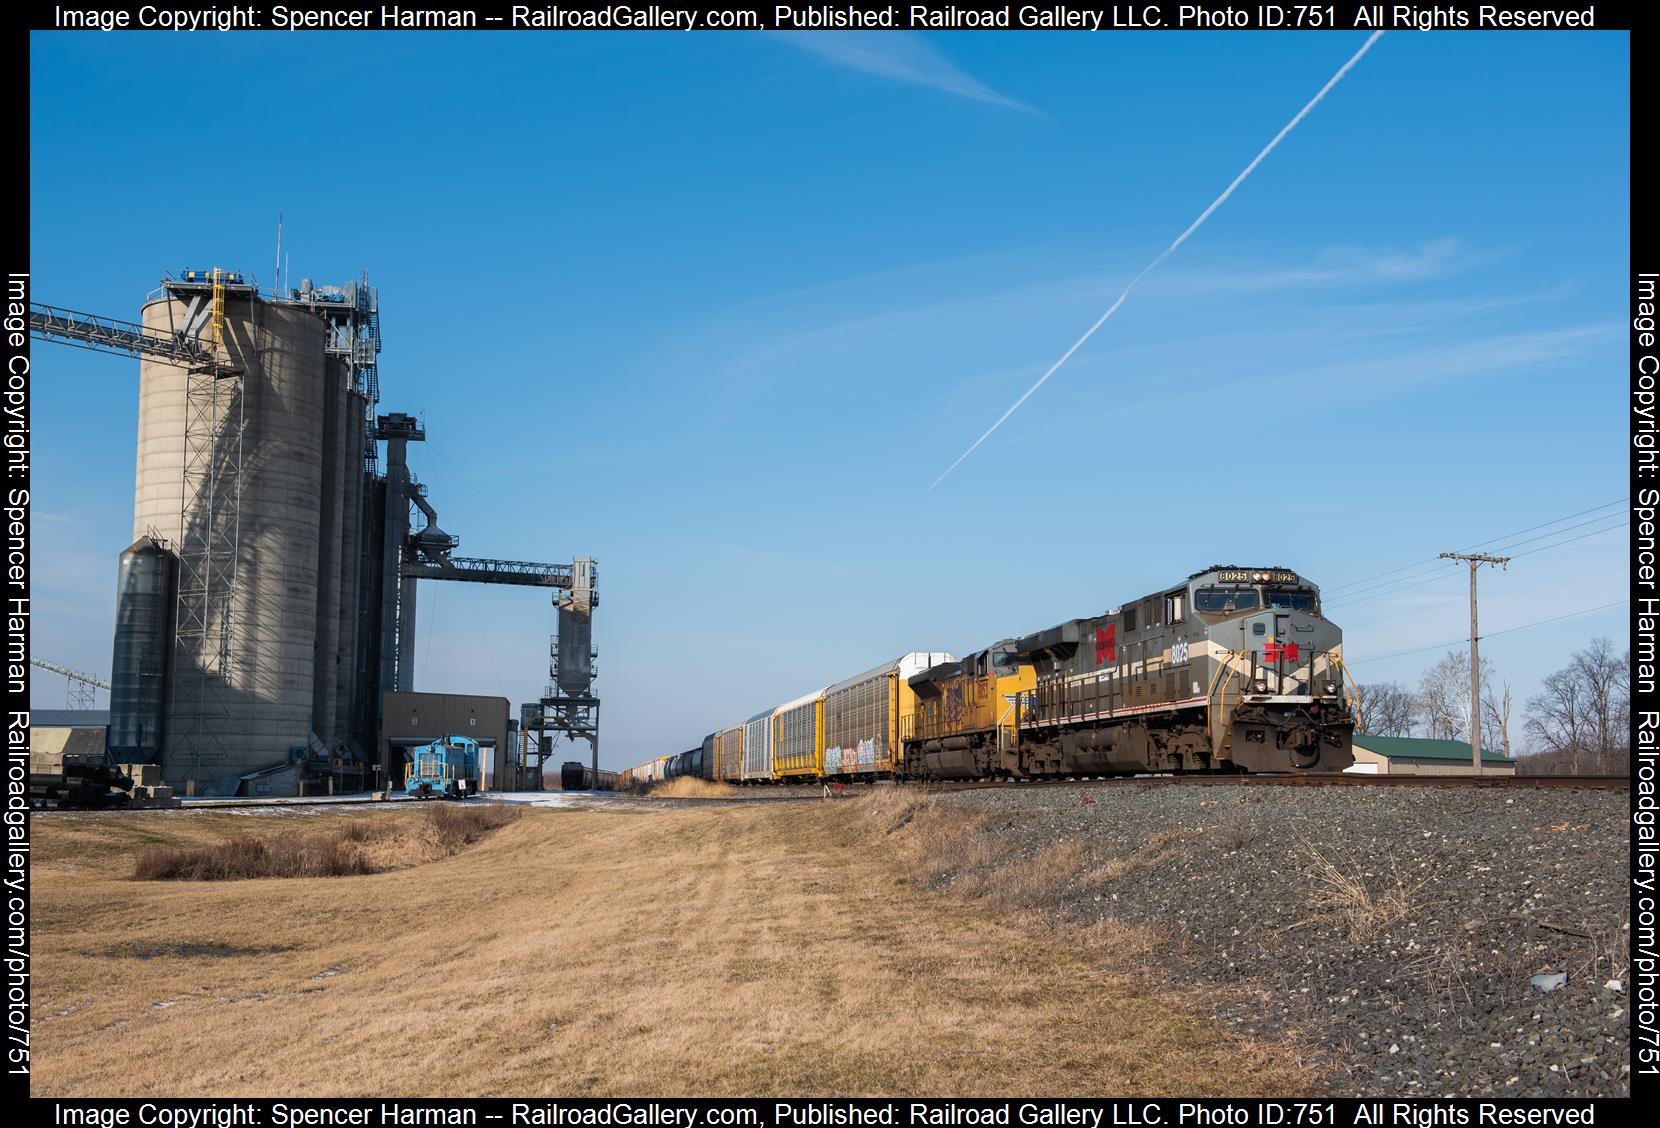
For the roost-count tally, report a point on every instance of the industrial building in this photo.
(1409, 755)
(414, 719)
(266, 607)
(56, 733)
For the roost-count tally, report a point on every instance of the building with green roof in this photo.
(1411, 755)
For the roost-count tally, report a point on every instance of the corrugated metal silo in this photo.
(145, 596)
(576, 644)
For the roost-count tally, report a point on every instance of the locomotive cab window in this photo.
(1175, 607)
(1295, 600)
(1225, 600)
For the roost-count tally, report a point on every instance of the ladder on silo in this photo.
(210, 503)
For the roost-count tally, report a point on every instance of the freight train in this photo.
(1232, 670)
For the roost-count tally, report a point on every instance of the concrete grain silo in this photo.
(255, 481)
(349, 560)
(331, 506)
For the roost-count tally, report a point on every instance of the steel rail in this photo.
(1329, 779)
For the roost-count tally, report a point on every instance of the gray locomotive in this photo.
(1235, 669)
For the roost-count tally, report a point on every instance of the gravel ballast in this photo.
(1395, 930)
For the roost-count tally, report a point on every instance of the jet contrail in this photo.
(1180, 239)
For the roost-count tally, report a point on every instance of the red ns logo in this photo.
(1274, 651)
(1106, 644)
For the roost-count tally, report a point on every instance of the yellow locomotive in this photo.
(966, 724)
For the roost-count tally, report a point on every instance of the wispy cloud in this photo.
(1002, 298)
(1338, 266)
(899, 56)
(1351, 366)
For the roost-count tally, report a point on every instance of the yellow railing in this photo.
(218, 306)
(429, 767)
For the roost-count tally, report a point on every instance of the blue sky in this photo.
(717, 308)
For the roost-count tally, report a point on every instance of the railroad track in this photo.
(1332, 779)
(1329, 779)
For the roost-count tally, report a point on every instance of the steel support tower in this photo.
(570, 708)
(409, 554)
(210, 545)
(352, 314)
(83, 688)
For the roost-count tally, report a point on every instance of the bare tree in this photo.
(1556, 717)
(1384, 709)
(1438, 694)
(1495, 720)
(1584, 711)
(1607, 680)
(1444, 700)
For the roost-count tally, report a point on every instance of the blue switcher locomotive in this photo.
(447, 768)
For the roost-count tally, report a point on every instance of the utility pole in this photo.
(1475, 560)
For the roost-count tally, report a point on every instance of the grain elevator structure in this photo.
(267, 603)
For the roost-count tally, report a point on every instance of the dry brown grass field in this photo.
(711, 950)
(690, 787)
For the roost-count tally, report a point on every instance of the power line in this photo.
(1479, 544)
(426, 658)
(1620, 518)
(1570, 540)
(1406, 583)
(484, 637)
(1489, 634)
(529, 536)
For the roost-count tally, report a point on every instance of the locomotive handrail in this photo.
(1222, 670)
(1347, 680)
(1014, 729)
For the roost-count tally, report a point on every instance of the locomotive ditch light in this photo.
(1331, 689)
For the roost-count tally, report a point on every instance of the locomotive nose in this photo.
(1284, 644)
